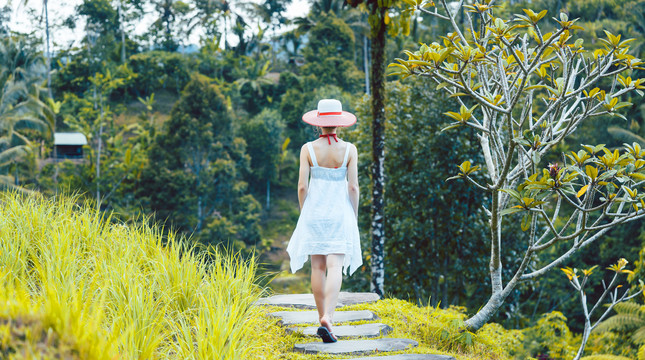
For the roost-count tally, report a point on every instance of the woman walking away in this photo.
(327, 229)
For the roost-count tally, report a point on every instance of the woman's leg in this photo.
(333, 282)
(318, 277)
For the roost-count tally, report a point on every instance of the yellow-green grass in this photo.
(436, 330)
(76, 285)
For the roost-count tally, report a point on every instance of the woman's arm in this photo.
(303, 177)
(352, 178)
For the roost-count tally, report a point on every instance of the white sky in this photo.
(62, 9)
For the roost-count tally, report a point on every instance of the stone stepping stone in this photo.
(346, 331)
(356, 347)
(288, 318)
(407, 357)
(306, 301)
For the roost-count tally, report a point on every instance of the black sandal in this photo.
(326, 335)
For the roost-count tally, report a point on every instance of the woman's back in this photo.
(329, 156)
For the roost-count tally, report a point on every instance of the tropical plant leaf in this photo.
(13, 154)
(621, 322)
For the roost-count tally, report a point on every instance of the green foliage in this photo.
(549, 337)
(159, 69)
(165, 31)
(74, 284)
(328, 56)
(602, 345)
(101, 16)
(253, 83)
(24, 116)
(194, 173)
(264, 136)
(111, 148)
(629, 319)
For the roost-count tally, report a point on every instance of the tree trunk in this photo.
(366, 65)
(49, 90)
(98, 163)
(478, 320)
(378, 149)
(49, 76)
(200, 215)
(585, 338)
(268, 194)
(499, 292)
(99, 146)
(122, 34)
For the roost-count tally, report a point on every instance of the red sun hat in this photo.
(329, 114)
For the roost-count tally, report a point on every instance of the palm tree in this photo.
(48, 67)
(47, 53)
(21, 110)
(253, 74)
(318, 8)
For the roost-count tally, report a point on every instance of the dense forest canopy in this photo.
(204, 138)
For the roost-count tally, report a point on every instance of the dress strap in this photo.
(312, 154)
(346, 155)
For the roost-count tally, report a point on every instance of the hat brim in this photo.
(344, 119)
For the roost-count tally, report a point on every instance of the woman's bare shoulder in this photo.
(352, 147)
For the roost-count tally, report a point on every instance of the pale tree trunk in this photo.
(49, 90)
(378, 151)
(200, 215)
(122, 33)
(98, 167)
(268, 194)
(98, 158)
(366, 65)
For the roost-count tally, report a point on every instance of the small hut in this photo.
(69, 145)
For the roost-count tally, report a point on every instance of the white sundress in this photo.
(327, 223)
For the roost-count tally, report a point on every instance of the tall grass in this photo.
(75, 281)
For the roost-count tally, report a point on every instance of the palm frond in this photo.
(12, 154)
(629, 307)
(638, 337)
(623, 321)
(17, 139)
(30, 122)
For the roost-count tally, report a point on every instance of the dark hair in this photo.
(318, 129)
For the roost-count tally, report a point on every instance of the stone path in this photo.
(306, 301)
(355, 345)
(311, 317)
(348, 331)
